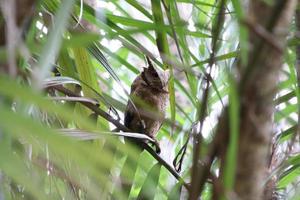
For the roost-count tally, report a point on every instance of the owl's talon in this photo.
(157, 147)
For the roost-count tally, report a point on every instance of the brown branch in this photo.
(263, 33)
(267, 17)
(121, 127)
(166, 165)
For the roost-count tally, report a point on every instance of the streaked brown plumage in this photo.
(149, 94)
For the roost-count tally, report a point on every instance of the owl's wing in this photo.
(132, 119)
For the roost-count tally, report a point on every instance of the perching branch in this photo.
(121, 127)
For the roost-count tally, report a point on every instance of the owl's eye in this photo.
(155, 75)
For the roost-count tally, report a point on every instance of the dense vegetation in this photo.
(232, 123)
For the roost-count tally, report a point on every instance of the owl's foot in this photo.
(142, 128)
(157, 147)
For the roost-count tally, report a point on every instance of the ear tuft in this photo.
(150, 65)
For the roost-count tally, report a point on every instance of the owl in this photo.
(149, 96)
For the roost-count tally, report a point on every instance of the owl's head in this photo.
(155, 78)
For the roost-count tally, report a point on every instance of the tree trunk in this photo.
(13, 14)
(259, 79)
(23, 10)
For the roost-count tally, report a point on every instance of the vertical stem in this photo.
(297, 19)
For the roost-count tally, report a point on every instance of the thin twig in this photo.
(167, 9)
(198, 174)
(54, 170)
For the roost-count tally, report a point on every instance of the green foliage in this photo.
(103, 51)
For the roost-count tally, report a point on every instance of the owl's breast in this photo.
(151, 99)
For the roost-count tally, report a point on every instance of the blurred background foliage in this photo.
(66, 60)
